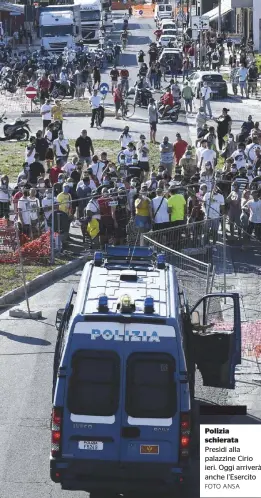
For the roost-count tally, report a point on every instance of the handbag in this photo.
(62, 149)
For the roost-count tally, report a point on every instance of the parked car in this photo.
(168, 24)
(165, 39)
(169, 32)
(215, 80)
(169, 54)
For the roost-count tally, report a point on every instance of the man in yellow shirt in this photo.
(57, 113)
(65, 200)
(143, 214)
(176, 207)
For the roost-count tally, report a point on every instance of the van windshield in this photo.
(150, 386)
(94, 383)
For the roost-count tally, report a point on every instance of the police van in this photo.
(124, 372)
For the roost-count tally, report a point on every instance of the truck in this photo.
(59, 26)
(91, 19)
(127, 350)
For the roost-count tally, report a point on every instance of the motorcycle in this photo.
(172, 114)
(143, 96)
(8, 85)
(19, 130)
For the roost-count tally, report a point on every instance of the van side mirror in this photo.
(59, 317)
(195, 319)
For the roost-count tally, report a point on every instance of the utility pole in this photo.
(200, 38)
(219, 17)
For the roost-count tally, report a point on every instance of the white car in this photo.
(169, 32)
(167, 24)
(165, 39)
(215, 80)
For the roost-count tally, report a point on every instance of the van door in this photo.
(92, 416)
(150, 414)
(216, 338)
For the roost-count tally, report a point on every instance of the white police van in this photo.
(124, 375)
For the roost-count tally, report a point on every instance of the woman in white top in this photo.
(160, 212)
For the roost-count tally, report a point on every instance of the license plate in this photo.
(214, 91)
(90, 445)
(149, 449)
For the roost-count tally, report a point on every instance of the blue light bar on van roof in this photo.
(103, 304)
(98, 258)
(149, 305)
(161, 261)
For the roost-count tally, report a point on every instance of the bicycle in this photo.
(127, 109)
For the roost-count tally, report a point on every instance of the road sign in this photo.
(200, 22)
(193, 10)
(140, 12)
(30, 92)
(104, 88)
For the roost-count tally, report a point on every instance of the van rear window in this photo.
(151, 389)
(94, 383)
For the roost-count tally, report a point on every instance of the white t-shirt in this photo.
(93, 206)
(239, 158)
(95, 101)
(213, 203)
(128, 155)
(250, 151)
(68, 168)
(34, 208)
(63, 143)
(143, 153)
(207, 155)
(125, 140)
(29, 159)
(97, 169)
(162, 215)
(255, 211)
(206, 92)
(48, 115)
(199, 151)
(24, 205)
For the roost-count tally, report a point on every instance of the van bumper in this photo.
(116, 477)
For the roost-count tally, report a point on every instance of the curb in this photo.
(68, 114)
(39, 283)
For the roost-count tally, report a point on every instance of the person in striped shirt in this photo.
(242, 179)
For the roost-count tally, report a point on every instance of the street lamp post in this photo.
(219, 17)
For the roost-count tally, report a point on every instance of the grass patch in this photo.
(82, 105)
(12, 155)
(11, 276)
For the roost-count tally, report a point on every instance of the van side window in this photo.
(151, 388)
(94, 384)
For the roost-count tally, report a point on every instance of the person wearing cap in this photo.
(179, 148)
(224, 123)
(84, 147)
(125, 138)
(159, 207)
(166, 154)
(46, 113)
(188, 164)
(234, 212)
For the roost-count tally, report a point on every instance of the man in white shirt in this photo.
(214, 203)
(200, 150)
(242, 76)
(160, 212)
(251, 148)
(61, 148)
(46, 113)
(95, 101)
(206, 96)
(239, 156)
(125, 138)
(24, 213)
(208, 155)
(97, 167)
(254, 208)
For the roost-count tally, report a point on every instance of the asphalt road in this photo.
(27, 349)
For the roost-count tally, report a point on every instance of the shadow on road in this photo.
(33, 341)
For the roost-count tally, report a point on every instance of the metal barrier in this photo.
(195, 277)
